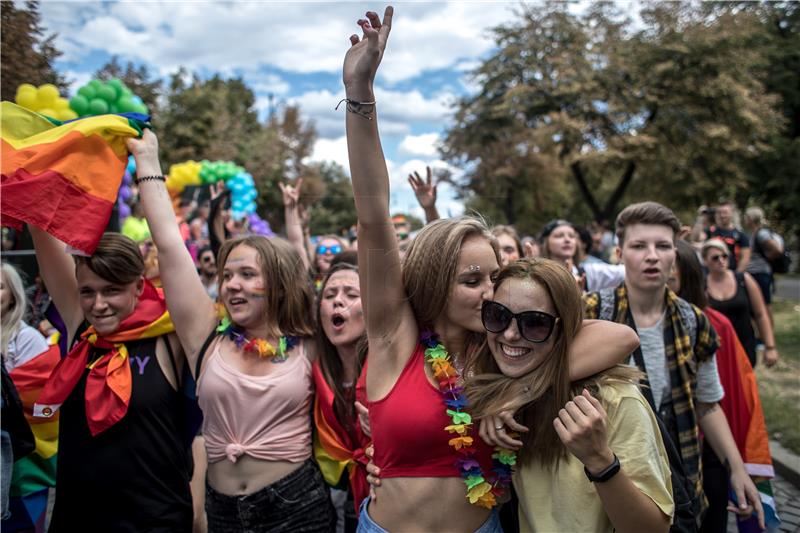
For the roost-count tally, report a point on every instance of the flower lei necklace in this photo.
(480, 490)
(259, 346)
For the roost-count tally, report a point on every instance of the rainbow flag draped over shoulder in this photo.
(34, 474)
(742, 408)
(63, 177)
(334, 448)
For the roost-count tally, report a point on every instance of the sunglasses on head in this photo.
(534, 326)
(335, 249)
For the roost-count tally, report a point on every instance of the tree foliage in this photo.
(578, 114)
(27, 54)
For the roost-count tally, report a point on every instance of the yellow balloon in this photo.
(66, 114)
(61, 103)
(48, 112)
(27, 99)
(48, 93)
(26, 88)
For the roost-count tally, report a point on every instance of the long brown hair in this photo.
(331, 363)
(540, 394)
(430, 264)
(289, 297)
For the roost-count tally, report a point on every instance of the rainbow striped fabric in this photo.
(36, 473)
(63, 177)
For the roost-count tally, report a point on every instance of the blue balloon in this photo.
(124, 211)
(136, 100)
(131, 165)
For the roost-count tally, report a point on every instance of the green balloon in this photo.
(142, 109)
(79, 104)
(126, 105)
(107, 93)
(117, 85)
(96, 84)
(87, 91)
(113, 108)
(98, 107)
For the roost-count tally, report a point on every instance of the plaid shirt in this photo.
(682, 359)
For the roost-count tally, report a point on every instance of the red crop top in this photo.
(408, 427)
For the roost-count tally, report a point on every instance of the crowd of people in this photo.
(456, 378)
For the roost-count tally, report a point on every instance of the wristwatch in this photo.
(606, 474)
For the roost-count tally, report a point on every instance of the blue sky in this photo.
(294, 51)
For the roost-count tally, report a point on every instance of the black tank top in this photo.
(739, 312)
(134, 476)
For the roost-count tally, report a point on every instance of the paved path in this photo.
(788, 288)
(787, 499)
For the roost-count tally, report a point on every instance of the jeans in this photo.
(367, 525)
(297, 503)
(7, 457)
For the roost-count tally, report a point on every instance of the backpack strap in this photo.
(202, 353)
(688, 318)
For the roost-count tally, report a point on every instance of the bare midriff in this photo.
(247, 475)
(425, 504)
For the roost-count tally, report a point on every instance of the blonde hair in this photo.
(290, 301)
(12, 318)
(719, 244)
(430, 264)
(755, 215)
(540, 394)
(501, 229)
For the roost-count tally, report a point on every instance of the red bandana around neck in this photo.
(108, 385)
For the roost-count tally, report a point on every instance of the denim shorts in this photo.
(299, 502)
(367, 525)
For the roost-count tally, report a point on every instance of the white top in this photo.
(24, 346)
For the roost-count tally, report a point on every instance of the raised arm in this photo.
(294, 225)
(380, 273)
(57, 269)
(191, 310)
(425, 191)
(599, 345)
(216, 226)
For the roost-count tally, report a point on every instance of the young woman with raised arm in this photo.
(445, 277)
(123, 418)
(254, 384)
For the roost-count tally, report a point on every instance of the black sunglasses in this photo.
(534, 326)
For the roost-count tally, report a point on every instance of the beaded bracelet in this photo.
(137, 181)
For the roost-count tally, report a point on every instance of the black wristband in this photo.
(137, 181)
(606, 474)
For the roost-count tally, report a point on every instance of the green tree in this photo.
(27, 55)
(579, 113)
(334, 211)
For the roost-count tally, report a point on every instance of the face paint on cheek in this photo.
(257, 292)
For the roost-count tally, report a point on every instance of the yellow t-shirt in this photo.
(564, 500)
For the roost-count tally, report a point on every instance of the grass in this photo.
(779, 387)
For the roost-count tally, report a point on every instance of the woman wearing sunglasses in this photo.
(422, 319)
(596, 461)
(737, 296)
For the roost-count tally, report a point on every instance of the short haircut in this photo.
(719, 244)
(755, 214)
(116, 259)
(651, 213)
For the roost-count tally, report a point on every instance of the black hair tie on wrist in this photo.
(137, 181)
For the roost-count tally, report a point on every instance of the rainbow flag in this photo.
(334, 448)
(34, 474)
(742, 408)
(63, 177)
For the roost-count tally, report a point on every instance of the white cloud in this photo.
(295, 37)
(421, 145)
(77, 80)
(331, 150)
